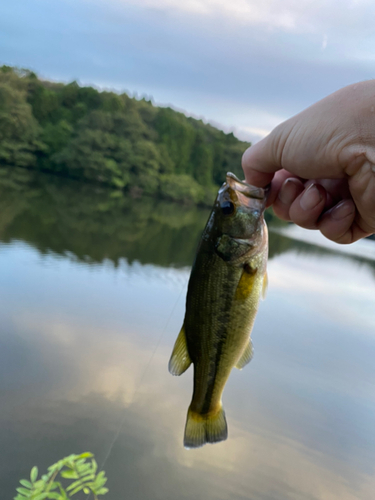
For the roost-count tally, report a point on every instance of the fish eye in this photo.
(227, 208)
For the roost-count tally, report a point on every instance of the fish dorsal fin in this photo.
(180, 359)
(246, 356)
(265, 285)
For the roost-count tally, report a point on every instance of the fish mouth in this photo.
(245, 188)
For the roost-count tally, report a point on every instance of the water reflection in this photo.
(93, 224)
(90, 224)
(84, 347)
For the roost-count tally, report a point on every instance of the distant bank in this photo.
(111, 139)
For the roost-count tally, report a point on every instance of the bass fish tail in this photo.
(202, 429)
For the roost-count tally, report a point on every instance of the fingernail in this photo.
(311, 198)
(342, 210)
(288, 192)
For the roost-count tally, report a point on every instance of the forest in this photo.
(112, 139)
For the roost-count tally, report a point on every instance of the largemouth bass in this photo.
(226, 282)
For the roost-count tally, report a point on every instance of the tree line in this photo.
(112, 139)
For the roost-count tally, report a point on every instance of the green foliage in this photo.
(178, 136)
(80, 472)
(112, 139)
(181, 188)
(56, 136)
(45, 103)
(96, 154)
(202, 160)
(18, 128)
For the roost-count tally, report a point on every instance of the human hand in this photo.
(321, 165)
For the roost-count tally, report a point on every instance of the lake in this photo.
(92, 292)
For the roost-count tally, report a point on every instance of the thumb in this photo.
(263, 159)
(362, 189)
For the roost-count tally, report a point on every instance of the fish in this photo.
(227, 280)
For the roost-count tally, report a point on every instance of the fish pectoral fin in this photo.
(265, 285)
(180, 359)
(246, 356)
(246, 283)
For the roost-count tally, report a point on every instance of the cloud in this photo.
(343, 290)
(251, 12)
(232, 62)
(291, 16)
(109, 400)
(84, 367)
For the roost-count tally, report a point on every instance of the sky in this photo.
(242, 65)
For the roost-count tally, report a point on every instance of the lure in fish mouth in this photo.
(225, 285)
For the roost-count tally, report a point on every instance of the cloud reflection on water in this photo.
(300, 416)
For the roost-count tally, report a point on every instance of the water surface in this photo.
(92, 290)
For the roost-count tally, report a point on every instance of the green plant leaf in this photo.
(76, 490)
(39, 484)
(53, 468)
(26, 483)
(69, 474)
(84, 469)
(63, 494)
(42, 496)
(99, 484)
(24, 492)
(54, 495)
(88, 477)
(34, 474)
(99, 481)
(76, 468)
(82, 466)
(87, 454)
(75, 484)
(53, 486)
(66, 460)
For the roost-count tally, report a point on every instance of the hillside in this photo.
(112, 139)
